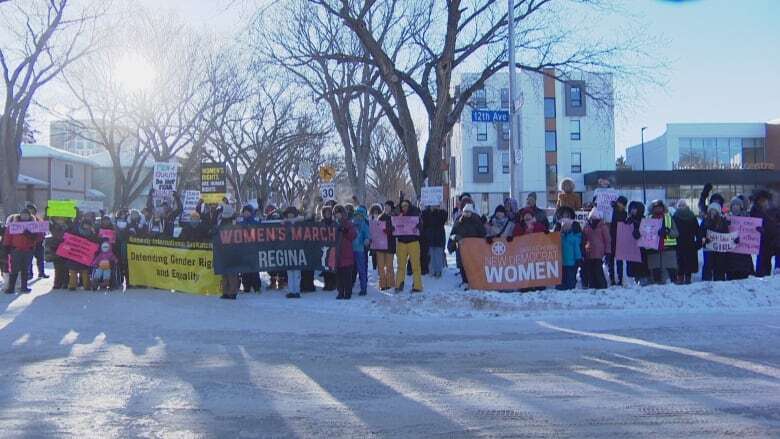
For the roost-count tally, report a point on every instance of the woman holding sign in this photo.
(715, 223)
(408, 246)
(740, 265)
(21, 247)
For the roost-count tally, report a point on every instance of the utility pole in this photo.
(644, 179)
(515, 143)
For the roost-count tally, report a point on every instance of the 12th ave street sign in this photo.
(489, 116)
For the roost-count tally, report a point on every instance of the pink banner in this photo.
(77, 249)
(17, 228)
(627, 248)
(108, 234)
(406, 225)
(749, 237)
(378, 235)
(649, 230)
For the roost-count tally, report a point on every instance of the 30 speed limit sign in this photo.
(328, 191)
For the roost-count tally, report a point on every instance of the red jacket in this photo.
(597, 240)
(521, 229)
(344, 257)
(24, 242)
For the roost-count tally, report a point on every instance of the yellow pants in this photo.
(73, 279)
(404, 251)
(384, 265)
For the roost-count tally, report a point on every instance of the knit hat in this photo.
(468, 208)
(361, 210)
(501, 209)
(716, 207)
(682, 204)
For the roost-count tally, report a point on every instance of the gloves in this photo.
(510, 238)
(636, 234)
(489, 240)
(760, 229)
(661, 231)
(736, 240)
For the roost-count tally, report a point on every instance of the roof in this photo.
(27, 180)
(30, 151)
(687, 176)
(95, 194)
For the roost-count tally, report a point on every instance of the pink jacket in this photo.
(597, 240)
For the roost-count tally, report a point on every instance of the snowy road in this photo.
(155, 364)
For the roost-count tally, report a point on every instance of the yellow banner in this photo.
(172, 265)
(212, 198)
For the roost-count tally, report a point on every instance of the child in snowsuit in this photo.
(102, 265)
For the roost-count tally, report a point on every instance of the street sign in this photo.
(327, 173)
(328, 191)
(489, 116)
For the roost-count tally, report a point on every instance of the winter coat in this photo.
(362, 233)
(617, 217)
(718, 225)
(738, 263)
(569, 200)
(571, 246)
(433, 221)
(688, 242)
(104, 256)
(597, 240)
(196, 232)
(500, 228)
(538, 213)
(636, 270)
(470, 227)
(87, 231)
(24, 242)
(413, 211)
(770, 234)
(346, 234)
(389, 231)
(57, 233)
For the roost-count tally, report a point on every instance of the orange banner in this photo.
(528, 261)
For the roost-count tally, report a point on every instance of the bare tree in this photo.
(302, 45)
(457, 35)
(39, 41)
(388, 168)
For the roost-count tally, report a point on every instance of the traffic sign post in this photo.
(328, 191)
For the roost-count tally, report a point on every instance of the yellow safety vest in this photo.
(668, 241)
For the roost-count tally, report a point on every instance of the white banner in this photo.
(432, 196)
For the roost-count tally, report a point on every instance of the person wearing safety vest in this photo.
(663, 261)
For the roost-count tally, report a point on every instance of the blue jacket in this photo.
(362, 232)
(571, 248)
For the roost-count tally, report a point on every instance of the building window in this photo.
(552, 176)
(752, 151)
(550, 141)
(576, 162)
(505, 131)
(549, 108)
(575, 96)
(68, 170)
(575, 129)
(483, 163)
(480, 98)
(504, 98)
(482, 130)
(505, 162)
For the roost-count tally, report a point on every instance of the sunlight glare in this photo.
(135, 73)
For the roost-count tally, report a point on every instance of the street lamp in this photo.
(644, 178)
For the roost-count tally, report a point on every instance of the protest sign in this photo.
(164, 181)
(328, 191)
(528, 261)
(172, 265)
(189, 203)
(89, 206)
(77, 249)
(581, 216)
(626, 247)
(405, 225)
(378, 235)
(749, 236)
(213, 182)
(649, 228)
(432, 196)
(61, 208)
(273, 247)
(604, 199)
(721, 242)
(18, 227)
(108, 234)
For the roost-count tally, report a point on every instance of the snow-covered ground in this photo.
(696, 361)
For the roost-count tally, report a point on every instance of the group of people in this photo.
(586, 246)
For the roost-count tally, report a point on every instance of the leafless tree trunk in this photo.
(388, 167)
(40, 40)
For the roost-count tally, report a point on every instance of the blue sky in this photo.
(723, 59)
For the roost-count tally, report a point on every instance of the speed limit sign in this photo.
(328, 191)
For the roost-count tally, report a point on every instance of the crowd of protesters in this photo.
(587, 247)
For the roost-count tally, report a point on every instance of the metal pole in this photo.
(515, 145)
(644, 179)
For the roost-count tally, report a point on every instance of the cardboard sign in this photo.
(61, 208)
(406, 225)
(604, 199)
(189, 203)
(172, 265)
(164, 181)
(749, 237)
(89, 206)
(77, 249)
(626, 247)
(649, 230)
(328, 191)
(528, 261)
(213, 182)
(18, 227)
(721, 242)
(432, 196)
(378, 235)
(108, 234)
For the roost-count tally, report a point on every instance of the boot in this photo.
(11, 285)
(24, 288)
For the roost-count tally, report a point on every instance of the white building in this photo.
(564, 132)
(69, 136)
(703, 146)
